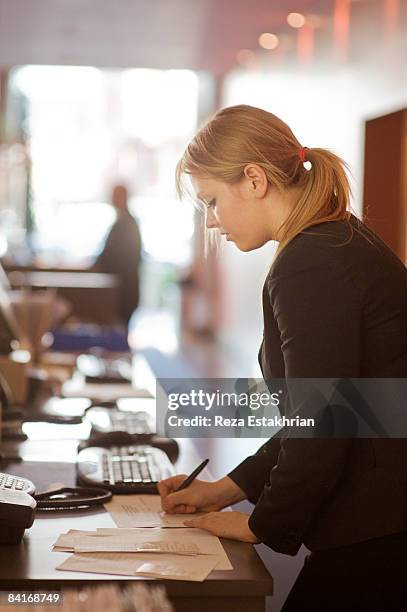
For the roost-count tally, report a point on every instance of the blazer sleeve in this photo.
(318, 313)
(252, 474)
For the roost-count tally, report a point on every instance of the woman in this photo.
(334, 305)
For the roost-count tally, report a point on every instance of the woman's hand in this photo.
(232, 525)
(199, 495)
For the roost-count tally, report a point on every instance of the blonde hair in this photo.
(240, 135)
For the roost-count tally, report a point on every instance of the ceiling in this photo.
(195, 34)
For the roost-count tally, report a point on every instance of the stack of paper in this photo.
(187, 554)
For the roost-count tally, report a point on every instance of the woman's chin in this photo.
(246, 245)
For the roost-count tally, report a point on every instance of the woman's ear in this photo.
(256, 179)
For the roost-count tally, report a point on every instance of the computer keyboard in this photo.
(112, 419)
(123, 469)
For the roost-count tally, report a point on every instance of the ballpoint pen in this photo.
(192, 476)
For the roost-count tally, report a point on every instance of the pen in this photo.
(192, 476)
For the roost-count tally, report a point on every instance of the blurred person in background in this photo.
(121, 254)
(335, 307)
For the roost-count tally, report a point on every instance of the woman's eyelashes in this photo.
(212, 203)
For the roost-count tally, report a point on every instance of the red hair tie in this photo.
(302, 153)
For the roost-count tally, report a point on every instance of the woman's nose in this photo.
(211, 220)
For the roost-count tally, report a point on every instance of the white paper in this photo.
(171, 567)
(207, 542)
(144, 511)
(107, 545)
(196, 569)
(124, 540)
(66, 541)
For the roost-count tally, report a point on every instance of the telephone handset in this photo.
(11, 483)
(19, 502)
(17, 507)
(17, 513)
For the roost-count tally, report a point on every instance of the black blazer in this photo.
(335, 305)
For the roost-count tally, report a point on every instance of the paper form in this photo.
(65, 540)
(206, 544)
(196, 569)
(144, 511)
(146, 564)
(124, 540)
(177, 548)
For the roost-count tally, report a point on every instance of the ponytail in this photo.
(325, 195)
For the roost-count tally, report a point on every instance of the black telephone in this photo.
(19, 502)
(17, 507)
